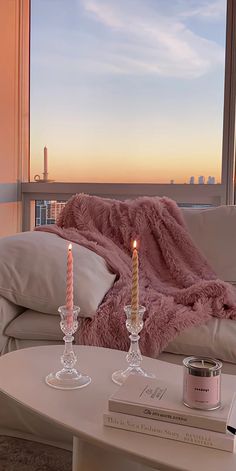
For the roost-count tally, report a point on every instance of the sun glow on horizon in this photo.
(128, 91)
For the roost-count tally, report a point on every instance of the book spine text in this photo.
(175, 417)
(172, 431)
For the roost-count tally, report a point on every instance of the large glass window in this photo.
(127, 91)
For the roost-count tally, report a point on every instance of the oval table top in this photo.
(22, 377)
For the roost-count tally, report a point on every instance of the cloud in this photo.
(104, 12)
(211, 10)
(144, 39)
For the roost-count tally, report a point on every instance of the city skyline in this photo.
(44, 175)
(127, 92)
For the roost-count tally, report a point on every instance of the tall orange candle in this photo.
(69, 285)
(135, 284)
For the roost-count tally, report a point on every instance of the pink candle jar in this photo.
(202, 383)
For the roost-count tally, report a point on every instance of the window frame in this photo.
(217, 194)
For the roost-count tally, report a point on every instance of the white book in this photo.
(182, 433)
(159, 400)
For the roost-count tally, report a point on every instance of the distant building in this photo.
(46, 212)
(211, 180)
(201, 180)
(54, 208)
(40, 213)
(191, 181)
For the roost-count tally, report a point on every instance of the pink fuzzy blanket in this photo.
(177, 286)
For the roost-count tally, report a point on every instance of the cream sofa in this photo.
(30, 297)
(32, 285)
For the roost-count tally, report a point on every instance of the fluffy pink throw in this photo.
(177, 286)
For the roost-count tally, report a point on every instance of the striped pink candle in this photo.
(135, 285)
(69, 286)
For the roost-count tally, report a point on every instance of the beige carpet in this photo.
(23, 455)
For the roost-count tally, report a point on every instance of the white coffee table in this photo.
(99, 448)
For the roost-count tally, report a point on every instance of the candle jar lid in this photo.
(202, 366)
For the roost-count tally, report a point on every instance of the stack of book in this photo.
(154, 407)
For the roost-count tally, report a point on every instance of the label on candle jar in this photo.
(202, 392)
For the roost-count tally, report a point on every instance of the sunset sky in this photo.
(127, 90)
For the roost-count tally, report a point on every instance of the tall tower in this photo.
(45, 155)
(45, 178)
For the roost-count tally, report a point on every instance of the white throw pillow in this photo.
(214, 232)
(33, 273)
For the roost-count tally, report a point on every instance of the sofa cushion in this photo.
(214, 339)
(33, 273)
(214, 232)
(32, 325)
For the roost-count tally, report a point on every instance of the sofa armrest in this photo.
(8, 312)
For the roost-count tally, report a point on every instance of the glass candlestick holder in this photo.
(68, 377)
(133, 357)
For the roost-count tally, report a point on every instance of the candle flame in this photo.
(135, 244)
(70, 247)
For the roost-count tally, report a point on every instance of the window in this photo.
(132, 98)
(129, 91)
